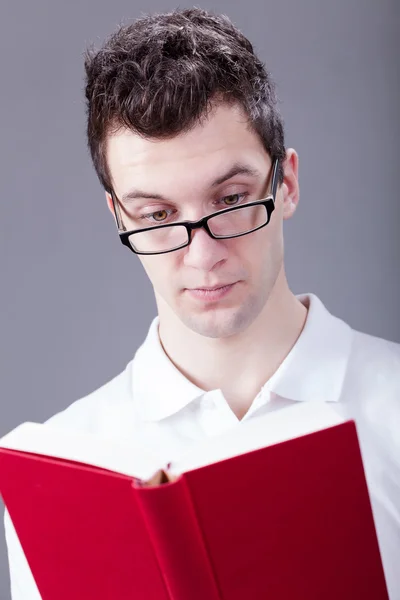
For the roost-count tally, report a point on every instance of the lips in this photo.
(211, 288)
(210, 294)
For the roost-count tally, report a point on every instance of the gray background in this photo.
(68, 288)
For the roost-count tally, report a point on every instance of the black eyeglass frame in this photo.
(268, 202)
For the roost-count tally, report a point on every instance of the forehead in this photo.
(210, 147)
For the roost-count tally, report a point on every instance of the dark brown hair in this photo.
(160, 75)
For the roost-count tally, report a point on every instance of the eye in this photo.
(160, 216)
(233, 199)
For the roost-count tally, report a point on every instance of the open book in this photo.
(277, 508)
(131, 459)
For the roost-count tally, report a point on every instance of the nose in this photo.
(205, 253)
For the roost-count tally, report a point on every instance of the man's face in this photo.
(178, 177)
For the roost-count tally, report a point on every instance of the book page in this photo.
(278, 426)
(132, 459)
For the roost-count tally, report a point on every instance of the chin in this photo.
(224, 322)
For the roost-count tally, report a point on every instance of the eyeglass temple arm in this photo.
(117, 211)
(275, 179)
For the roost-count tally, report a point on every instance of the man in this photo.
(183, 125)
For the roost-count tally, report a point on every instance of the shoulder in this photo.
(373, 372)
(372, 392)
(376, 359)
(111, 410)
(102, 410)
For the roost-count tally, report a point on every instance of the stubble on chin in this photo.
(223, 322)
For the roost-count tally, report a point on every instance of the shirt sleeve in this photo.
(23, 586)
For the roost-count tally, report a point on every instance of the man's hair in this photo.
(161, 75)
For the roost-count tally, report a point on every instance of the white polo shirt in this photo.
(153, 402)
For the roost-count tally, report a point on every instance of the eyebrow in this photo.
(236, 169)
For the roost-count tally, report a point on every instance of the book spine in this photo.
(171, 521)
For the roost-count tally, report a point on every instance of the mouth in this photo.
(211, 294)
(213, 288)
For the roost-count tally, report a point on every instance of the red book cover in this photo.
(289, 521)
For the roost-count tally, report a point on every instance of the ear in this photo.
(110, 203)
(290, 186)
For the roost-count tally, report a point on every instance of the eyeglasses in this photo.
(221, 225)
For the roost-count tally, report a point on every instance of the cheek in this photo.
(263, 254)
(259, 244)
(159, 269)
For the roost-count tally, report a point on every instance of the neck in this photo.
(239, 365)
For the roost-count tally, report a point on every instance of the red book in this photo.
(287, 521)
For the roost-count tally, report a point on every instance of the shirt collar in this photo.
(316, 366)
(159, 388)
(313, 370)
